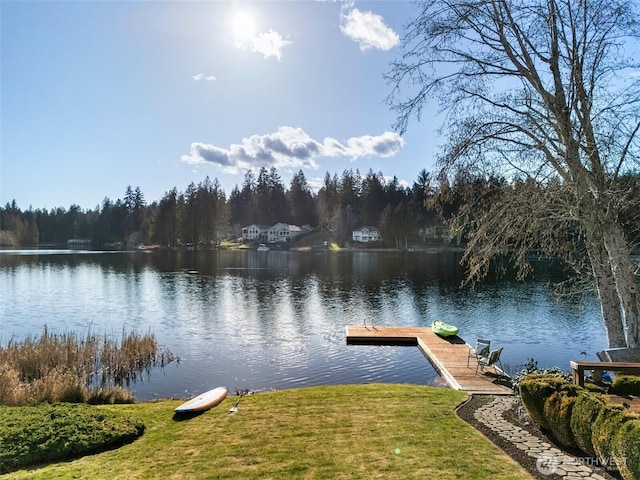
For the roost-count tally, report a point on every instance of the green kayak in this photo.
(444, 329)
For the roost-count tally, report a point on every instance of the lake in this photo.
(276, 320)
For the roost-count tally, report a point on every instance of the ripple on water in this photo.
(278, 320)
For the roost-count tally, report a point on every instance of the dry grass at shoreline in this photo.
(65, 367)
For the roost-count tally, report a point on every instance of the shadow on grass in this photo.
(182, 416)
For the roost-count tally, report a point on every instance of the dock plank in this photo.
(447, 355)
(630, 401)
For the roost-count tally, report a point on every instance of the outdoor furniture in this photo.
(623, 354)
(579, 368)
(490, 361)
(481, 350)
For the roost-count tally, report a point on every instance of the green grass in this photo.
(232, 244)
(337, 432)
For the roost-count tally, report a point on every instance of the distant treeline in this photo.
(202, 215)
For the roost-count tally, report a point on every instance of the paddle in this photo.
(234, 409)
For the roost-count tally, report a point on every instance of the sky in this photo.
(98, 96)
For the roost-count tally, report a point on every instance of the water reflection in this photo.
(276, 319)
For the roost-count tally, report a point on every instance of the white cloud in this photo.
(202, 76)
(269, 44)
(290, 147)
(403, 183)
(315, 183)
(385, 145)
(368, 30)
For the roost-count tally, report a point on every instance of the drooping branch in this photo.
(539, 89)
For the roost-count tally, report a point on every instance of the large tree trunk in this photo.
(625, 280)
(606, 290)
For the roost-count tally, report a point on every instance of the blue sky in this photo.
(96, 96)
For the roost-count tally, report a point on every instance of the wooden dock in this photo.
(447, 355)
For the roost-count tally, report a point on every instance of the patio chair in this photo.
(490, 361)
(481, 350)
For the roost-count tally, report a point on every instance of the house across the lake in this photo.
(435, 232)
(255, 232)
(367, 234)
(278, 233)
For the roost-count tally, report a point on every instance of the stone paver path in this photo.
(549, 459)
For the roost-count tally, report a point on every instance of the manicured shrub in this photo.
(585, 411)
(534, 391)
(626, 450)
(607, 424)
(531, 367)
(592, 387)
(557, 413)
(53, 432)
(626, 385)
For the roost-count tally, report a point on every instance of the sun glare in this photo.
(244, 27)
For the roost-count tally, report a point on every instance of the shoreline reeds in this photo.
(56, 367)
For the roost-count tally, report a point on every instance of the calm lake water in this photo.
(275, 320)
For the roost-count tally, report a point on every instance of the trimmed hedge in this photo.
(626, 385)
(534, 391)
(585, 411)
(625, 449)
(592, 387)
(49, 433)
(557, 412)
(608, 423)
(586, 419)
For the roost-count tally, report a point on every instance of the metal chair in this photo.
(490, 361)
(481, 350)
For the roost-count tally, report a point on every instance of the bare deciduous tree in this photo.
(544, 91)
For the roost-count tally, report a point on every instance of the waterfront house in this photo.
(283, 232)
(435, 232)
(366, 234)
(278, 233)
(255, 232)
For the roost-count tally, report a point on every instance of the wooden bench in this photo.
(580, 367)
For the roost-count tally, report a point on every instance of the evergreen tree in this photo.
(135, 226)
(166, 226)
(373, 199)
(346, 215)
(190, 226)
(263, 210)
(241, 202)
(222, 217)
(327, 201)
(421, 202)
(280, 210)
(396, 194)
(301, 201)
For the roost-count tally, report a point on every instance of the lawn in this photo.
(355, 431)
